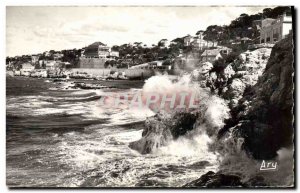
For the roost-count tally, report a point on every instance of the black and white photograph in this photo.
(145, 97)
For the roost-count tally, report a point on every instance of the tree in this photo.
(212, 33)
(115, 48)
(161, 42)
(199, 32)
(8, 60)
(267, 12)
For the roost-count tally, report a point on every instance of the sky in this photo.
(32, 30)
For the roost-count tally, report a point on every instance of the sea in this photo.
(57, 136)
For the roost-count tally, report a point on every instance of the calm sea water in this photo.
(57, 137)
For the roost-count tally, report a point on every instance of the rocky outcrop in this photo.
(259, 88)
(162, 128)
(216, 180)
(159, 130)
(231, 82)
(264, 116)
(219, 180)
(261, 124)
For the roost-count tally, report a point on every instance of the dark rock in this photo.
(199, 165)
(216, 180)
(162, 128)
(257, 181)
(150, 183)
(83, 85)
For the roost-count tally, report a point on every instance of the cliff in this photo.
(264, 116)
(231, 80)
(261, 127)
(258, 88)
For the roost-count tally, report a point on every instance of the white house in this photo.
(51, 65)
(187, 40)
(210, 55)
(198, 42)
(273, 30)
(27, 68)
(114, 54)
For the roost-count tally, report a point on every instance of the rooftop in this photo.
(97, 44)
(213, 52)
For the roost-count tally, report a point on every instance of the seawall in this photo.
(130, 73)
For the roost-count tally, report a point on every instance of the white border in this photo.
(5, 3)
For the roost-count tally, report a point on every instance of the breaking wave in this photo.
(213, 111)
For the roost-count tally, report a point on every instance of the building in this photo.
(137, 44)
(273, 30)
(173, 42)
(51, 65)
(198, 42)
(114, 54)
(42, 63)
(201, 44)
(103, 51)
(210, 55)
(92, 51)
(99, 50)
(35, 59)
(153, 65)
(58, 56)
(67, 65)
(200, 34)
(47, 53)
(187, 40)
(27, 67)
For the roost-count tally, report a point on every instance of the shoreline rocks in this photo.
(162, 128)
(216, 180)
(264, 116)
(220, 180)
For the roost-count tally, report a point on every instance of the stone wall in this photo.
(131, 73)
(91, 62)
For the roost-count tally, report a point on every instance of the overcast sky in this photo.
(31, 30)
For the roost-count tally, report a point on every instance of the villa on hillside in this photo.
(99, 50)
(273, 30)
(198, 42)
(103, 51)
(187, 40)
(210, 55)
(92, 51)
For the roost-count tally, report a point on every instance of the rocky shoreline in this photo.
(259, 89)
(263, 118)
